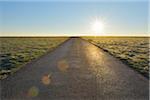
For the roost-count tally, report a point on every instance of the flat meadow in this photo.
(133, 51)
(15, 51)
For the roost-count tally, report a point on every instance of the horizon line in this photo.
(77, 36)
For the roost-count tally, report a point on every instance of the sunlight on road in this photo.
(63, 65)
(97, 67)
(94, 53)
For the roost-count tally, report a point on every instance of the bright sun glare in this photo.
(98, 27)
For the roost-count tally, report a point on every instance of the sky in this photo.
(47, 18)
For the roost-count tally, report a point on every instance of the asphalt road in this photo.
(76, 70)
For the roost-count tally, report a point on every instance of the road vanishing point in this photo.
(75, 70)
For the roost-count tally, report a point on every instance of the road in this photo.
(76, 70)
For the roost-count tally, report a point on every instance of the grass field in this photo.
(16, 52)
(133, 51)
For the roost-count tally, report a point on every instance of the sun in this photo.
(97, 27)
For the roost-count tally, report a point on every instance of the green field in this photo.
(133, 51)
(15, 52)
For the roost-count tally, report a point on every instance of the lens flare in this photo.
(46, 79)
(62, 65)
(33, 91)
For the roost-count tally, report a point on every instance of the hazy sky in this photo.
(72, 18)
